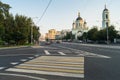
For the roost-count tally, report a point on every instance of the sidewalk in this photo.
(112, 46)
(12, 47)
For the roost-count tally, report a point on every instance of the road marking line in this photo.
(30, 57)
(60, 58)
(36, 55)
(14, 63)
(54, 64)
(47, 73)
(87, 54)
(47, 66)
(103, 56)
(1, 68)
(46, 52)
(52, 69)
(23, 60)
(62, 53)
(41, 61)
(19, 75)
(65, 66)
(16, 54)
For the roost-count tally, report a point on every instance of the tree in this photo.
(4, 9)
(36, 33)
(83, 37)
(9, 26)
(101, 35)
(112, 33)
(16, 30)
(4, 12)
(92, 34)
(68, 35)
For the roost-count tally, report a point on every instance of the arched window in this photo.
(106, 16)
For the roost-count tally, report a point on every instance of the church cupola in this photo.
(79, 18)
(105, 9)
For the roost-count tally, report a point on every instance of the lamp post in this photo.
(32, 30)
(31, 34)
(107, 33)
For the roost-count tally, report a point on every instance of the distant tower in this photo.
(73, 25)
(105, 18)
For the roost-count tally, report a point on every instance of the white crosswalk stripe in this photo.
(61, 53)
(14, 63)
(30, 57)
(23, 60)
(85, 53)
(36, 55)
(46, 52)
(53, 65)
(1, 68)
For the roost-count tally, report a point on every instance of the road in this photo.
(64, 61)
(105, 67)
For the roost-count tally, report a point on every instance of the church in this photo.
(105, 18)
(79, 26)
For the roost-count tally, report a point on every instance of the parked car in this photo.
(48, 43)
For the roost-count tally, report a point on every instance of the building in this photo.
(42, 38)
(64, 33)
(57, 36)
(46, 36)
(79, 27)
(105, 18)
(51, 34)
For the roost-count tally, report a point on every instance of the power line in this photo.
(44, 11)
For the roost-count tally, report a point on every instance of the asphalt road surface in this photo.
(105, 67)
(64, 61)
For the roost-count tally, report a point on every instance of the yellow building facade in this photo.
(51, 34)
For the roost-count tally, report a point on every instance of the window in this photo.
(106, 16)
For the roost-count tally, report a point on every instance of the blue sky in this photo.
(61, 13)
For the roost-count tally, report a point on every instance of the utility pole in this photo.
(32, 30)
(107, 33)
(31, 34)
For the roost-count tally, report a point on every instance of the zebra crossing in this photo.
(53, 65)
(75, 53)
(59, 62)
(57, 53)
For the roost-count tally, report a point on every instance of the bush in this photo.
(2, 42)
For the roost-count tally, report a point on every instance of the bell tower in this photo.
(105, 18)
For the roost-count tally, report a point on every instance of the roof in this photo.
(105, 9)
(79, 18)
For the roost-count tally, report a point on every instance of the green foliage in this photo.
(101, 35)
(92, 34)
(16, 30)
(83, 37)
(1, 42)
(68, 36)
(112, 33)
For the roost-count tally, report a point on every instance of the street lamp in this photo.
(32, 30)
(31, 34)
(107, 33)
